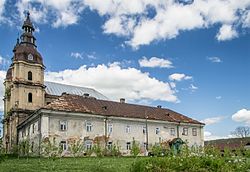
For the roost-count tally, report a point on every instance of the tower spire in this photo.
(28, 29)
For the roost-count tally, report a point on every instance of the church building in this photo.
(35, 110)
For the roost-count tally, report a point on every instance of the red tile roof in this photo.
(75, 103)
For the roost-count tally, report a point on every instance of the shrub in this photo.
(192, 161)
(2, 152)
(98, 150)
(24, 148)
(76, 147)
(135, 149)
(191, 164)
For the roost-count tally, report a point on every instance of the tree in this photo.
(242, 131)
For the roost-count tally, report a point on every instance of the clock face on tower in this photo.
(30, 57)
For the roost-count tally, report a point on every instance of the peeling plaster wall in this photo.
(76, 130)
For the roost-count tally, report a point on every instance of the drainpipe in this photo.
(105, 131)
(147, 133)
(178, 132)
(40, 134)
(105, 124)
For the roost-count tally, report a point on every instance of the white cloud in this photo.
(83, 55)
(179, 77)
(131, 20)
(193, 88)
(76, 55)
(218, 97)
(215, 59)
(116, 82)
(226, 32)
(155, 62)
(210, 136)
(246, 19)
(2, 2)
(2, 77)
(168, 21)
(4, 63)
(60, 13)
(213, 120)
(242, 115)
(123, 18)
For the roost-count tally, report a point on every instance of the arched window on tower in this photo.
(30, 75)
(30, 97)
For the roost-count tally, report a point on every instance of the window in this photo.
(63, 125)
(88, 144)
(110, 128)
(185, 131)
(28, 131)
(144, 130)
(128, 146)
(172, 132)
(30, 76)
(23, 133)
(157, 130)
(127, 129)
(63, 145)
(194, 131)
(32, 147)
(88, 126)
(109, 145)
(33, 128)
(30, 97)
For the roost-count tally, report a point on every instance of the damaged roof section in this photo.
(76, 103)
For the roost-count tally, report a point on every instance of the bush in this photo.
(191, 164)
(97, 150)
(209, 160)
(135, 150)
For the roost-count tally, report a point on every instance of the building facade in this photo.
(35, 110)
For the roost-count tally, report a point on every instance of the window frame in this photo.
(127, 129)
(185, 131)
(88, 144)
(63, 145)
(157, 130)
(63, 125)
(30, 77)
(172, 132)
(110, 128)
(194, 131)
(128, 145)
(110, 145)
(89, 126)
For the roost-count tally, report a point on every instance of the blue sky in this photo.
(191, 58)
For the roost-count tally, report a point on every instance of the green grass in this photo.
(107, 164)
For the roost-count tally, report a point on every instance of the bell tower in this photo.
(24, 84)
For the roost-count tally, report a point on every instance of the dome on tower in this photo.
(28, 54)
(26, 49)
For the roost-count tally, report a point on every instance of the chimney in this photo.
(159, 106)
(86, 94)
(122, 100)
(64, 93)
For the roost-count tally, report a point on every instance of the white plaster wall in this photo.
(76, 128)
